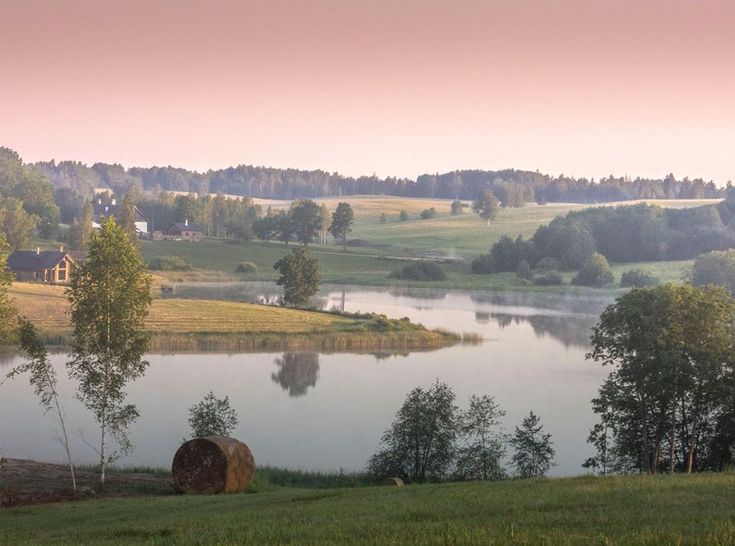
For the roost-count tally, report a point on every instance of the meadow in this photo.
(375, 249)
(680, 509)
(192, 325)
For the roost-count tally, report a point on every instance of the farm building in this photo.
(114, 210)
(50, 266)
(184, 231)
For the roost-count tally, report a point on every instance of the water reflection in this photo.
(572, 331)
(297, 372)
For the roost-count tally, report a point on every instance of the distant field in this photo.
(454, 236)
(624, 510)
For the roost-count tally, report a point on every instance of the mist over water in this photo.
(328, 411)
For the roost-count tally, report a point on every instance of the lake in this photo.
(328, 411)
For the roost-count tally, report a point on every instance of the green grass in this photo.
(573, 511)
(463, 237)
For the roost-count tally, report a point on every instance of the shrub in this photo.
(383, 218)
(428, 213)
(403, 216)
(246, 267)
(421, 271)
(595, 272)
(548, 264)
(169, 263)
(715, 268)
(550, 278)
(483, 265)
(523, 271)
(637, 278)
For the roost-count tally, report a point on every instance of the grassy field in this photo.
(205, 324)
(385, 247)
(636, 510)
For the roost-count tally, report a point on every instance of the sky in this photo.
(391, 87)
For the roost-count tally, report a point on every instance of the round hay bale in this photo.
(395, 482)
(215, 464)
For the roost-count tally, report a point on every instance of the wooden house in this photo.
(184, 232)
(49, 266)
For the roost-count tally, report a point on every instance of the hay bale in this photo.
(215, 464)
(395, 482)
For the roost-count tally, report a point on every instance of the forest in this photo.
(512, 187)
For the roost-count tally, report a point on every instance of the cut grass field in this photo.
(179, 324)
(680, 509)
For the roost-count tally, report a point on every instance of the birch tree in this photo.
(110, 295)
(42, 377)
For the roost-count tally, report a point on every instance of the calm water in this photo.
(328, 411)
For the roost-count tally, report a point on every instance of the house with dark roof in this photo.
(184, 231)
(50, 266)
(101, 210)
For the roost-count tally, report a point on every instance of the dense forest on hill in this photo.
(512, 187)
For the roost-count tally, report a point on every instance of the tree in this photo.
(110, 294)
(17, 224)
(342, 219)
(326, 217)
(267, 228)
(43, 379)
(480, 456)
(456, 207)
(81, 229)
(533, 453)
(126, 221)
(523, 271)
(7, 309)
(306, 220)
(715, 268)
(595, 273)
(383, 218)
(419, 446)
(403, 216)
(486, 206)
(300, 276)
(212, 417)
(427, 214)
(669, 397)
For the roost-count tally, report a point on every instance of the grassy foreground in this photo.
(587, 510)
(195, 325)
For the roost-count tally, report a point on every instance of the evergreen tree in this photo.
(342, 219)
(300, 276)
(533, 453)
(110, 295)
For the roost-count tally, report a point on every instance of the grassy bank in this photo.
(616, 510)
(196, 325)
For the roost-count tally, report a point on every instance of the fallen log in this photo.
(215, 464)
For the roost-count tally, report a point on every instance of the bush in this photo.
(483, 265)
(637, 278)
(595, 272)
(428, 213)
(383, 218)
(403, 216)
(550, 278)
(169, 263)
(421, 271)
(548, 264)
(246, 267)
(715, 268)
(523, 271)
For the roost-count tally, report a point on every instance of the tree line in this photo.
(512, 187)
(631, 233)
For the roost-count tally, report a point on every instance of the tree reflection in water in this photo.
(570, 330)
(297, 372)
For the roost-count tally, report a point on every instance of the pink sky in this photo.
(399, 87)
